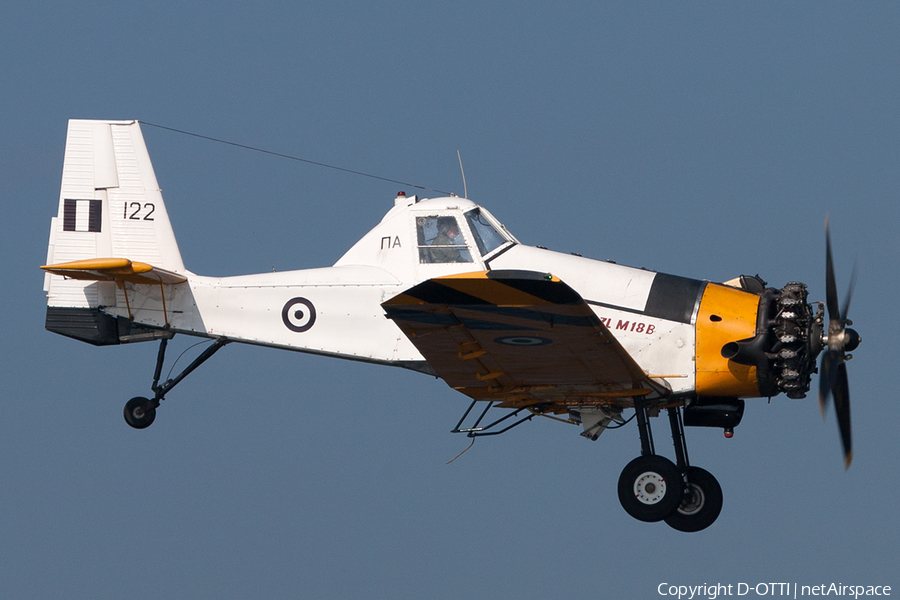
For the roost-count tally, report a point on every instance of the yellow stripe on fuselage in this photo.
(726, 315)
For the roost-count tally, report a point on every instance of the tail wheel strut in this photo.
(139, 411)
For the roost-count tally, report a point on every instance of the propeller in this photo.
(839, 340)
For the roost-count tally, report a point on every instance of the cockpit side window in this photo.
(441, 241)
(486, 235)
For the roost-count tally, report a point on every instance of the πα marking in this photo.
(387, 243)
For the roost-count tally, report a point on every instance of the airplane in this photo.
(440, 287)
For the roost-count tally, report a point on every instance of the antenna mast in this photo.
(465, 190)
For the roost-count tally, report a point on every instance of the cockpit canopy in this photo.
(421, 239)
(440, 238)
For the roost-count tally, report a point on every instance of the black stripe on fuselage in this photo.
(671, 298)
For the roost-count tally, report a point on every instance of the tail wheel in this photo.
(701, 504)
(650, 488)
(139, 413)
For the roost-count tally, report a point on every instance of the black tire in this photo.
(701, 505)
(650, 488)
(139, 413)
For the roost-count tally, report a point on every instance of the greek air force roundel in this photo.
(523, 340)
(298, 314)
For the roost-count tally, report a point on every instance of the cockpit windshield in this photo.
(486, 235)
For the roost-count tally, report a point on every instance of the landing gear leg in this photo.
(650, 487)
(140, 412)
(702, 500)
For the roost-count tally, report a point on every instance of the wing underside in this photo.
(521, 338)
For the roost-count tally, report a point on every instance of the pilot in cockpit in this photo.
(448, 236)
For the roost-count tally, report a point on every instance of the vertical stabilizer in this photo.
(110, 206)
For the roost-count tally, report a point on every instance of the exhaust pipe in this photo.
(750, 351)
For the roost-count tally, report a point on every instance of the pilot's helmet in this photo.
(445, 224)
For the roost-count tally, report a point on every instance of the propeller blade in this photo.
(831, 297)
(842, 407)
(846, 306)
(833, 371)
(828, 374)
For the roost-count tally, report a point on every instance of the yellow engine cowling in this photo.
(726, 314)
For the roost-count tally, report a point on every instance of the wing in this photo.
(114, 269)
(520, 337)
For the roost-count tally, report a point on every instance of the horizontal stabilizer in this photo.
(114, 269)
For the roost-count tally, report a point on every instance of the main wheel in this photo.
(650, 488)
(701, 505)
(139, 413)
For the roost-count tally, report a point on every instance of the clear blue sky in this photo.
(705, 139)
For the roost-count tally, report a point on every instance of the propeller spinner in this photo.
(840, 340)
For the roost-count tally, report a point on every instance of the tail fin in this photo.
(110, 207)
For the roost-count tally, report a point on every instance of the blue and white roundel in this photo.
(523, 340)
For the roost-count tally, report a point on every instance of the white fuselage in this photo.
(337, 311)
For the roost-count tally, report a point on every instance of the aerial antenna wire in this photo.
(288, 156)
(172, 368)
(465, 190)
